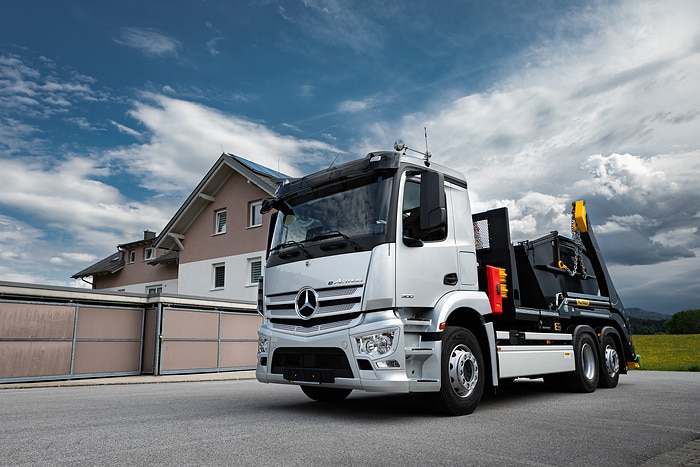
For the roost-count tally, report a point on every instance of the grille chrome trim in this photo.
(331, 301)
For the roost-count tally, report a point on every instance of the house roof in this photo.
(109, 265)
(264, 178)
(148, 238)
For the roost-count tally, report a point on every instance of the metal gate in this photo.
(196, 341)
(50, 341)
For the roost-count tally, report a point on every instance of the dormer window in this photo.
(149, 253)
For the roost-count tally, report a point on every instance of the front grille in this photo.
(334, 304)
(330, 361)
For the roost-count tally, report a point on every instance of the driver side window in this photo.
(411, 209)
(411, 214)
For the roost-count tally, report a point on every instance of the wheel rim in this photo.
(612, 360)
(588, 362)
(463, 371)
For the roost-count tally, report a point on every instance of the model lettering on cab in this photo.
(345, 281)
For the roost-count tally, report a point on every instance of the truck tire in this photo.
(462, 373)
(585, 377)
(610, 363)
(324, 394)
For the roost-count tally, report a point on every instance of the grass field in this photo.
(666, 352)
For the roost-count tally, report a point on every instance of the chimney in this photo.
(147, 235)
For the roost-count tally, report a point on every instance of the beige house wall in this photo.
(138, 272)
(202, 243)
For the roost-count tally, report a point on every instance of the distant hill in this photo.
(647, 322)
(645, 314)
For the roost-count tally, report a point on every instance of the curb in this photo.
(138, 379)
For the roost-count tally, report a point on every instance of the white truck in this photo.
(379, 277)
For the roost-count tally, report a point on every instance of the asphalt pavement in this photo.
(687, 454)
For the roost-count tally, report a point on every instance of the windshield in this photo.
(354, 212)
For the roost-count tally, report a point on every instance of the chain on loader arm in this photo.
(576, 236)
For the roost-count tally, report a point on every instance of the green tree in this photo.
(684, 322)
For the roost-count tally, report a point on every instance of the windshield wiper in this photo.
(291, 243)
(334, 233)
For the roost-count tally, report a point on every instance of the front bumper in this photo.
(335, 358)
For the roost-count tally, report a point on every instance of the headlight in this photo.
(376, 345)
(263, 344)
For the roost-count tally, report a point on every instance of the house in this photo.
(131, 268)
(214, 246)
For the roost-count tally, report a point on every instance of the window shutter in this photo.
(255, 271)
(221, 222)
(219, 276)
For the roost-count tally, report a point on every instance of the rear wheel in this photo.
(462, 373)
(610, 364)
(585, 377)
(324, 394)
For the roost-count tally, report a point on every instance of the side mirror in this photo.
(269, 204)
(433, 205)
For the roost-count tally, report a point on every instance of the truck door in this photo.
(426, 261)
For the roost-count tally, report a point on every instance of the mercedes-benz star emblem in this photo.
(306, 302)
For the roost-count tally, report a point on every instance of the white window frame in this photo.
(220, 228)
(149, 253)
(253, 208)
(132, 256)
(249, 277)
(157, 288)
(214, 268)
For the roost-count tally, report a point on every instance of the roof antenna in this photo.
(400, 146)
(427, 153)
(336, 158)
(222, 149)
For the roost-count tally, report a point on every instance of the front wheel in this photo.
(324, 394)
(462, 373)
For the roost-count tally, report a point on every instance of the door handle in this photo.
(450, 279)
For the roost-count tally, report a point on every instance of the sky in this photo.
(112, 112)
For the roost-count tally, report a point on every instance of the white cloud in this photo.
(353, 106)
(125, 129)
(212, 44)
(92, 212)
(185, 139)
(149, 41)
(37, 92)
(610, 116)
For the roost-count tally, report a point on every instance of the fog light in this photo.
(263, 344)
(376, 345)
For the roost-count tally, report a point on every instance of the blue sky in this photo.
(111, 113)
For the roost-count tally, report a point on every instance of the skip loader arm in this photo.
(607, 288)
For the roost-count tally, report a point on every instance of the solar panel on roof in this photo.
(261, 168)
